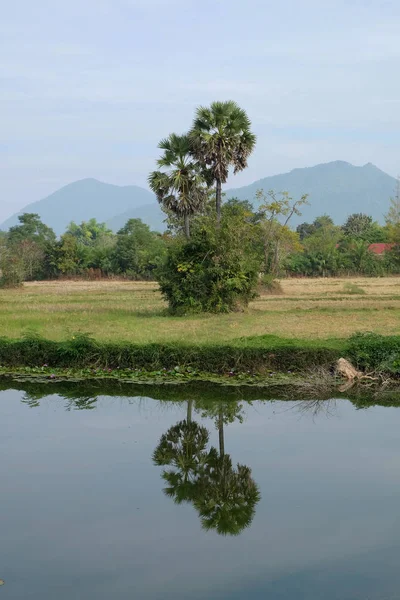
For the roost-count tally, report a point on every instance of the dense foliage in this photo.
(215, 270)
(31, 251)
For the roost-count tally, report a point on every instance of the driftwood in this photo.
(346, 369)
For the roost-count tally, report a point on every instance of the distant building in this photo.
(380, 248)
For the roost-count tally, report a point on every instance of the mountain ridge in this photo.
(83, 199)
(337, 188)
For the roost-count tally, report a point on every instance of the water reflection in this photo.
(224, 497)
(103, 528)
(194, 471)
(317, 408)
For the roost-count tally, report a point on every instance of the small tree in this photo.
(31, 242)
(12, 268)
(138, 250)
(89, 232)
(276, 210)
(69, 259)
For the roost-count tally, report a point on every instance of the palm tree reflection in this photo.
(225, 497)
(183, 449)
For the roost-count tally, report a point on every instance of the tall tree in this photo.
(178, 184)
(221, 138)
(362, 227)
(31, 228)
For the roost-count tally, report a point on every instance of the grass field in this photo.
(135, 311)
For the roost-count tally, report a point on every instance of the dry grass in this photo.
(135, 311)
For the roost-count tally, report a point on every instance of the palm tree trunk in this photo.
(221, 433)
(189, 411)
(218, 201)
(187, 226)
(275, 263)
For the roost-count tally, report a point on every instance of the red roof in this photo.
(380, 248)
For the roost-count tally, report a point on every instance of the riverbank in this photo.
(252, 359)
(254, 355)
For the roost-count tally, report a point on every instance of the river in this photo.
(136, 497)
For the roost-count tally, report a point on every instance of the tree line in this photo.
(31, 251)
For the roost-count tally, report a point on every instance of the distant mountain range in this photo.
(335, 188)
(87, 198)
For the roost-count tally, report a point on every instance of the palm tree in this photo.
(178, 184)
(182, 447)
(221, 138)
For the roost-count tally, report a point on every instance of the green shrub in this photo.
(373, 352)
(81, 351)
(211, 272)
(12, 271)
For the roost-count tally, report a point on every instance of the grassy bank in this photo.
(254, 355)
(261, 355)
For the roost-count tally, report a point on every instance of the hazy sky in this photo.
(88, 87)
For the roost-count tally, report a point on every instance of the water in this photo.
(83, 514)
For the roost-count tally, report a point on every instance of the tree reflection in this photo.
(183, 449)
(225, 497)
(317, 408)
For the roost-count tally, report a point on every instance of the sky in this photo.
(89, 87)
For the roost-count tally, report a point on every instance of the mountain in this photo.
(336, 188)
(151, 214)
(84, 199)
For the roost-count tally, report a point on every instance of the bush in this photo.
(214, 271)
(12, 271)
(80, 351)
(373, 352)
